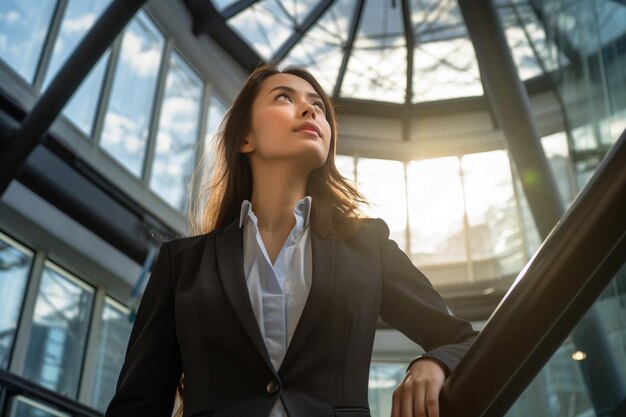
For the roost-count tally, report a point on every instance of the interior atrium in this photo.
(470, 134)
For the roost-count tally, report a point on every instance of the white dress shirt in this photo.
(278, 292)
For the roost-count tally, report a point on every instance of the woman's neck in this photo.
(275, 192)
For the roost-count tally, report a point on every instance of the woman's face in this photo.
(288, 123)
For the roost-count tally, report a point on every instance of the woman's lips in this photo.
(309, 128)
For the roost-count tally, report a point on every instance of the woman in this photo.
(271, 308)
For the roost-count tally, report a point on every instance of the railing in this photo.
(13, 386)
(558, 285)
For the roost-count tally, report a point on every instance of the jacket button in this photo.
(271, 387)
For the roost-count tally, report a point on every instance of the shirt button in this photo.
(271, 387)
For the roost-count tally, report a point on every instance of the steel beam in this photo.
(65, 83)
(236, 8)
(410, 46)
(301, 30)
(512, 108)
(354, 27)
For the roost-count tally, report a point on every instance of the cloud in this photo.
(142, 55)
(79, 25)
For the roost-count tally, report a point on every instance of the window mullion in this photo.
(48, 46)
(25, 323)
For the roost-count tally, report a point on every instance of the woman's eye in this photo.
(283, 96)
(320, 105)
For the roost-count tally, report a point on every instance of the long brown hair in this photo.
(216, 200)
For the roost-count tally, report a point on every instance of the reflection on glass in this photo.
(377, 67)
(557, 153)
(265, 26)
(496, 241)
(527, 39)
(78, 18)
(322, 48)
(127, 119)
(444, 64)
(25, 407)
(23, 29)
(178, 134)
(531, 234)
(14, 267)
(384, 378)
(382, 183)
(436, 212)
(586, 375)
(59, 332)
(114, 335)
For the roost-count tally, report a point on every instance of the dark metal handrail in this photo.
(558, 285)
(16, 385)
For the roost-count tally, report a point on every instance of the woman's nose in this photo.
(308, 110)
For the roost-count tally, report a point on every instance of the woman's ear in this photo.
(246, 146)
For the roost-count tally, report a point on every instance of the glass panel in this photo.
(114, 335)
(321, 50)
(23, 28)
(79, 17)
(532, 50)
(444, 64)
(345, 166)
(222, 4)
(377, 67)
(496, 242)
(59, 332)
(265, 26)
(15, 265)
(298, 9)
(531, 234)
(436, 213)
(384, 378)
(217, 111)
(25, 407)
(382, 183)
(557, 153)
(178, 134)
(526, 60)
(586, 375)
(127, 119)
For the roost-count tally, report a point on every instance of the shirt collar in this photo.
(302, 208)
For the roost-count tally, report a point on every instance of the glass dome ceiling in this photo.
(394, 51)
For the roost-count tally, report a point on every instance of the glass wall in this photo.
(59, 331)
(178, 134)
(127, 120)
(53, 348)
(15, 265)
(115, 330)
(460, 219)
(142, 106)
(590, 74)
(23, 29)
(78, 18)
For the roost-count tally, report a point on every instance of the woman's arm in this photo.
(152, 368)
(411, 305)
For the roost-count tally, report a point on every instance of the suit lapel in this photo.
(323, 253)
(229, 247)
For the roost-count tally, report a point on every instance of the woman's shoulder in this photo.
(370, 227)
(187, 244)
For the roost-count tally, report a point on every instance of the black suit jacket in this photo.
(196, 317)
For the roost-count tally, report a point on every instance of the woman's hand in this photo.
(418, 393)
